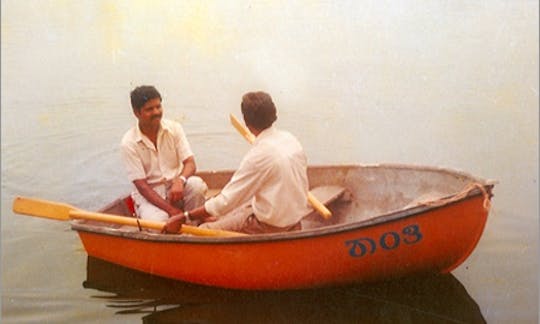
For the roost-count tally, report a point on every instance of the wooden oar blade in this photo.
(61, 211)
(42, 208)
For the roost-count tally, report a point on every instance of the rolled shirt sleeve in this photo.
(130, 156)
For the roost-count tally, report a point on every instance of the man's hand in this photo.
(206, 219)
(200, 214)
(174, 224)
(176, 192)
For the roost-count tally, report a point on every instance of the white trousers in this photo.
(194, 196)
(243, 220)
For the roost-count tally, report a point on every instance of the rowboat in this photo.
(388, 221)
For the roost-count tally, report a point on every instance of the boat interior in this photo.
(369, 191)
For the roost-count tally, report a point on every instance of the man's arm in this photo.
(189, 167)
(243, 185)
(174, 223)
(176, 192)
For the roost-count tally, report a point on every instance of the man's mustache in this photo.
(156, 116)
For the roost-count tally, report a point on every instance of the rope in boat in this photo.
(462, 194)
(139, 224)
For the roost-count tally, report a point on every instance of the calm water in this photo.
(446, 83)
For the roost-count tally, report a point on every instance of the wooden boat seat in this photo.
(327, 194)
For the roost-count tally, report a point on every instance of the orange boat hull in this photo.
(434, 240)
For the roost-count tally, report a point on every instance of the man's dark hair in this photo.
(258, 109)
(140, 95)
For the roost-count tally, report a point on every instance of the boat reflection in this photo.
(420, 299)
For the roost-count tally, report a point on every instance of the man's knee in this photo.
(195, 193)
(197, 185)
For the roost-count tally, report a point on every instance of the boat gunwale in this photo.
(80, 225)
(413, 167)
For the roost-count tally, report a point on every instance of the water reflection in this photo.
(420, 299)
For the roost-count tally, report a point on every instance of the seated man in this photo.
(159, 161)
(268, 192)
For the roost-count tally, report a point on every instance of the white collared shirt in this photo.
(272, 177)
(143, 161)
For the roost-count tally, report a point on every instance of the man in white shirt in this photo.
(268, 192)
(159, 161)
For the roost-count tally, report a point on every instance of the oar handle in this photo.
(318, 206)
(155, 225)
(120, 220)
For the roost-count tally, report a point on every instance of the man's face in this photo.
(151, 113)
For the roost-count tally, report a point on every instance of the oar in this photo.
(64, 212)
(320, 208)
